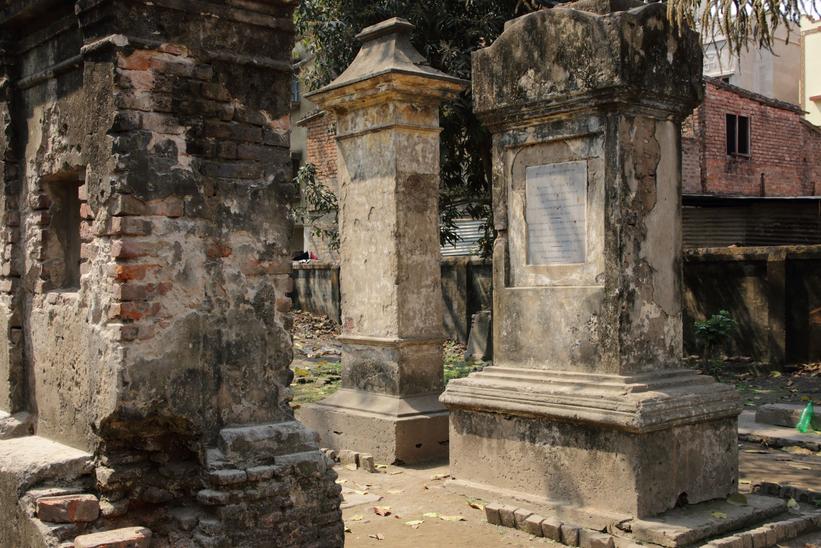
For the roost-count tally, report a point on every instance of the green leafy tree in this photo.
(320, 209)
(446, 33)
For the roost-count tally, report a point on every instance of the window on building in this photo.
(738, 135)
(62, 244)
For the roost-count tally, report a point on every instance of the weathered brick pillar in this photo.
(152, 265)
(387, 109)
(12, 375)
(587, 406)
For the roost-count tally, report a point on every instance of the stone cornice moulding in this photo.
(638, 403)
(627, 68)
(386, 67)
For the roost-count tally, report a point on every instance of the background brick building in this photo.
(777, 153)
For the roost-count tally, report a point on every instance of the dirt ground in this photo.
(420, 512)
(317, 356)
(452, 520)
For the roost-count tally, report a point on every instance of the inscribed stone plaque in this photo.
(556, 212)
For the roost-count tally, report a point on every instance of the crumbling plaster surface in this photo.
(170, 124)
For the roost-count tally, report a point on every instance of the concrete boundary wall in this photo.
(466, 289)
(773, 292)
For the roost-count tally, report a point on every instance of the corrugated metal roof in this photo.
(751, 224)
(469, 232)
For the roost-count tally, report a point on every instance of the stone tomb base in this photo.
(392, 429)
(603, 447)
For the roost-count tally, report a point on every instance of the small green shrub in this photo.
(713, 333)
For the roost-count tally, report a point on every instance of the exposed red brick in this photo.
(128, 249)
(218, 250)
(167, 207)
(129, 537)
(68, 508)
(126, 272)
(86, 211)
(785, 152)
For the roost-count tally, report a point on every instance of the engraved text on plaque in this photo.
(556, 213)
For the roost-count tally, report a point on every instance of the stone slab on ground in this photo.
(25, 462)
(691, 524)
(28, 460)
(352, 497)
(793, 467)
(785, 414)
(777, 436)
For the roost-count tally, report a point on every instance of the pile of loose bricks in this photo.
(352, 460)
(550, 527)
(80, 510)
(769, 534)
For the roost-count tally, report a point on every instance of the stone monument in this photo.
(587, 405)
(387, 109)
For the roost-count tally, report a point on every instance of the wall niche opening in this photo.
(62, 239)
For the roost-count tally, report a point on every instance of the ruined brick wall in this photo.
(322, 147)
(691, 154)
(145, 261)
(782, 160)
(321, 152)
(12, 382)
(812, 154)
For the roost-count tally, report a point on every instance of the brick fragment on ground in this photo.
(366, 462)
(492, 513)
(68, 508)
(128, 537)
(506, 515)
(570, 535)
(552, 529)
(533, 525)
(595, 539)
(520, 515)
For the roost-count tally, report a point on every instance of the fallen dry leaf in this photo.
(377, 536)
(719, 515)
(795, 450)
(415, 523)
(452, 518)
(382, 510)
(430, 515)
(439, 476)
(476, 503)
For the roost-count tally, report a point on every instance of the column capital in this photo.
(387, 68)
(588, 55)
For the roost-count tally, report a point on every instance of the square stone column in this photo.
(387, 109)
(587, 406)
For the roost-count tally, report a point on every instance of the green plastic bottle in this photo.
(806, 418)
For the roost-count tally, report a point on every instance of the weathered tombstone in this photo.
(387, 109)
(587, 404)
